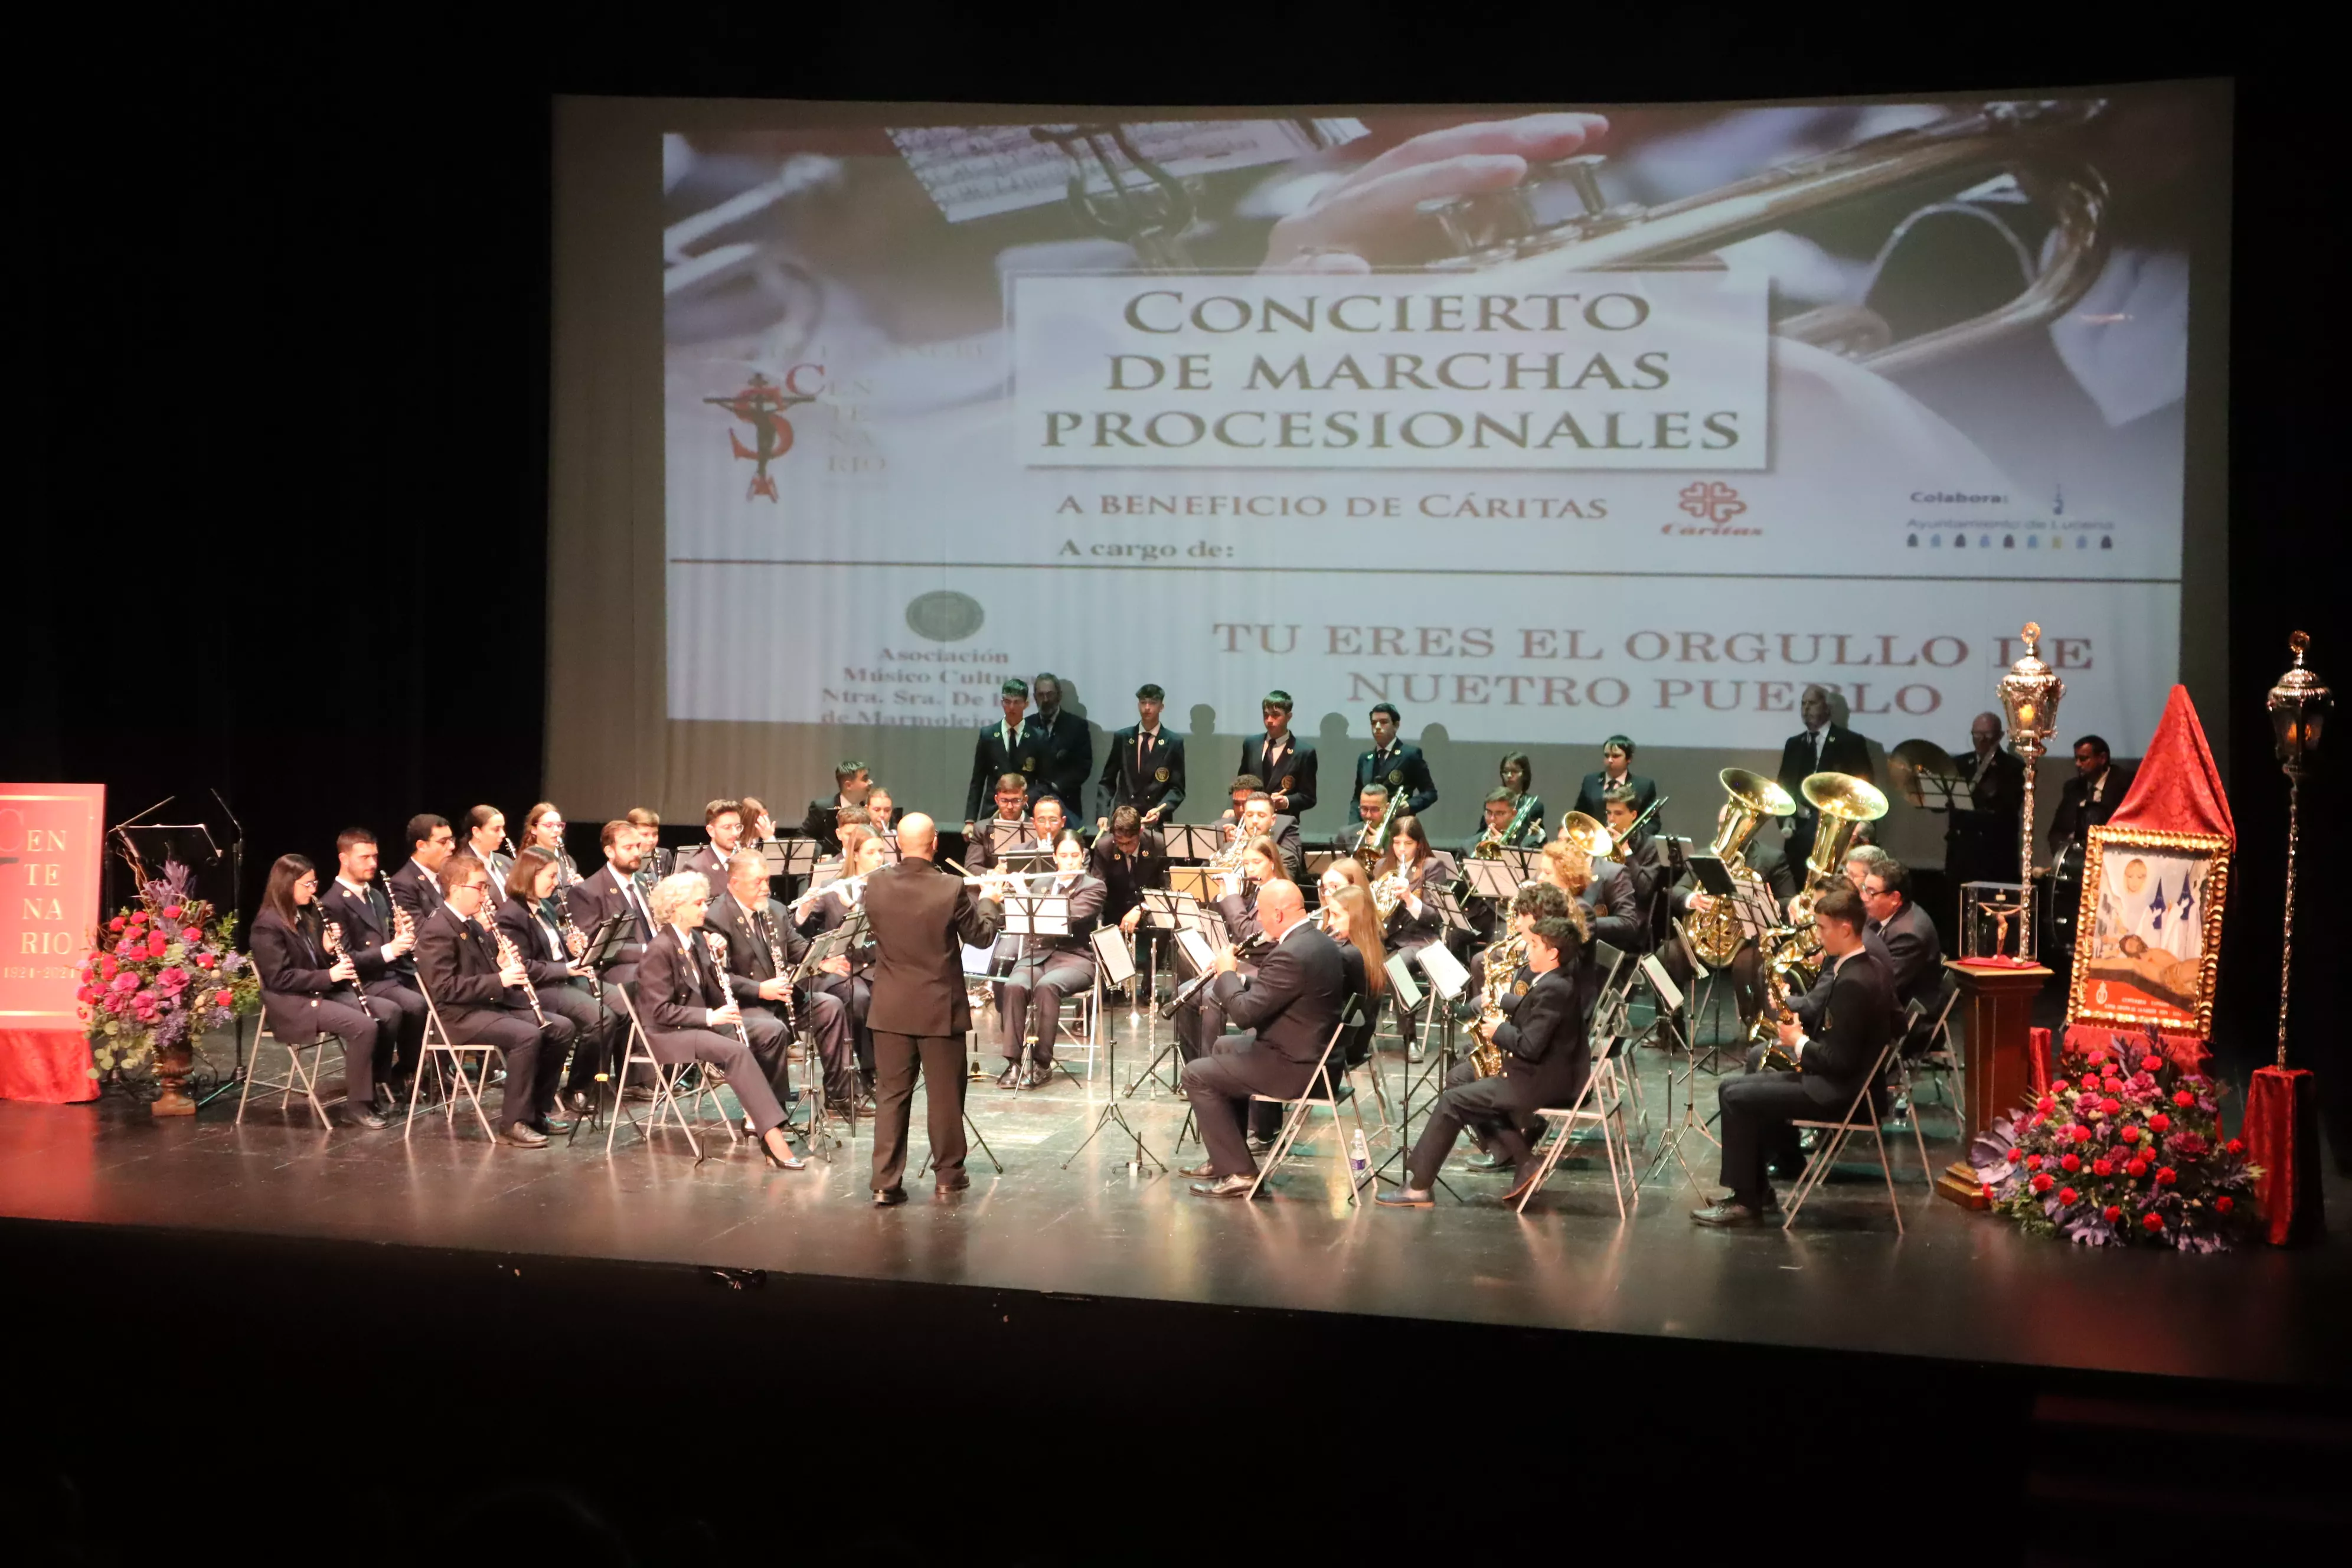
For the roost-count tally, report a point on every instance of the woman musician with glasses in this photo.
(309, 991)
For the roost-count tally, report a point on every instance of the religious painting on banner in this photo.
(50, 853)
(2149, 947)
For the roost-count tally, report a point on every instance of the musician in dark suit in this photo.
(1254, 816)
(1835, 1053)
(1128, 860)
(2089, 798)
(486, 839)
(1199, 1017)
(416, 886)
(1541, 1034)
(1145, 768)
(1281, 1018)
(923, 918)
(690, 1015)
(722, 822)
(1395, 764)
(1415, 921)
(384, 957)
(1821, 747)
(482, 1000)
(1011, 745)
(851, 784)
(1517, 773)
(763, 946)
(1902, 934)
(1009, 827)
(1501, 807)
(1036, 835)
(848, 978)
(1066, 747)
(1371, 804)
(1616, 768)
(1980, 838)
(654, 860)
(1048, 968)
(612, 891)
(308, 993)
(1281, 759)
(533, 922)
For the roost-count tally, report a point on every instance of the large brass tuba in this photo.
(1717, 936)
(1845, 802)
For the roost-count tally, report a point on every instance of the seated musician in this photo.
(654, 860)
(1541, 1034)
(1346, 871)
(882, 817)
(1833, 1037)
(1258, 821)
(483, 1000)
(690, 1015)
(381, 941)
(537, 927)
(1495, 831)
(542, 828)
(1282, 1020)
(613, 892)
(1349, 919)
(1048, 968)
(851, 784)
(1198, 1021)
(416, 887)
(1905, 939)
(1010, 828)
(844, 977)
(762, 947)
(1371, 804)
(308, 992)
(1413, 874)
(1127, 859)
(1518, 777)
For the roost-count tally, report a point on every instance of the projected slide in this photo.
(1541, 427)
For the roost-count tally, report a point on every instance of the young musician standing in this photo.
(1146, 765)
(1395, 764)
(1281, 759)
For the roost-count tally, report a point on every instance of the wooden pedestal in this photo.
(1992, 1016)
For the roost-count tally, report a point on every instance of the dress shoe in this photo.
(1728, 1213)
(1204, 1172)
(1487, 1162)
(1406, 1198)
(1520, 1185)
(1225, 1187)
(1011, 1077)
(1039, 1075)
(780, 1162)
(953, 1185)
(553, 1126)
(523, 1135)
(385, 1104)
(356, 1115)
(889, 1197)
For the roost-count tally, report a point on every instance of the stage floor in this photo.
(1955, 1285)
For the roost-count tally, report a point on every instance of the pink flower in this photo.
(116, 1000)
(2057, 1086)
(171, 911)
(192, 935)
(114, 924)
(156, 945)
(86, 993)
(173, 977)
(126, 981)
(106, 967)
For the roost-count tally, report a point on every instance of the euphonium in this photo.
(1588, 834)
(1717, 936)
(1844, 803)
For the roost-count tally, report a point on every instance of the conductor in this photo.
(1284, 1015)
(922, 919)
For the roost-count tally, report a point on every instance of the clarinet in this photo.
(508, 959)
(776, 955)
(717, 947)
(574, 941)
(331, 938)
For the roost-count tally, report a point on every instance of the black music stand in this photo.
(1111, 957)
(841, 941)
(1194, 841)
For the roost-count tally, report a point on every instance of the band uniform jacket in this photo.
(417, 890)
(1843, 752)
(2078, 812)
(991, 758)
(1436, 874)
(1293, 1001)
(1292, 774)
(677, 984)
(1086, 895)
(1401, 767)
(367, 925)
(923, 917)
(521, 923)
(458, 965)
(1125, 874)
(1531, 836)
(823, 822)
(1612, 910)
(292, 967)
(1066, 760)
(1291, 847)
(751, 956)
(827, 914)
(1853, 1024)
(1589, 801)
(1142, 776)
(499, 865)
(597, 899)
(1542, 1039)
(705, 859)
(1913, 953)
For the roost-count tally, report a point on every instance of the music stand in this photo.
(1319, 861)
(1491, 880)
(1115, 967)
(1409, 999)
(1195, 841)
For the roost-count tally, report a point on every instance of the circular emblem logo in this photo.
(1289, 781)
(1396, 775)
(1160, 777)
(1028, 765)
(944, 617)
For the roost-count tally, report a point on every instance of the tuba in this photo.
(1717, 936)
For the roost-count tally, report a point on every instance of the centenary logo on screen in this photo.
(945, 616)
(762, 406)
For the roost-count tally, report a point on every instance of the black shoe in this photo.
(1225, 1187)
(889, 1197)
(385, 1104)
(1487, 1162)
(1520, 1186)
(1726, 1213)
(778, 1162)
(1039, 1075)
(1011, 1077)
(579, 1101)
(356, 1115)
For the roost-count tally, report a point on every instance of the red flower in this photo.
(2082, 1133)
(114, 924)
(2014, 1156)
(2160, 1121)
(156, 945)
(171, 911)
(2070, 1164)
(205, 961)
(2183, 1099)
(2112, 1085)
(86, 993)
(139, 917)
(192, 935)
(223, 998)
(2235, 1146)
(2131, 1134)
(2033, 1161)
(1987, 1188)
(106, 966)
(2046, 1105)
(2067, 1196)
(2111, 1105)
(2042, 1183)
(2165, 1176)
(2222, 1204)
(2153, 1221)
(2136, 1169)
(2151, 1064)
(2114, 1213)
(2103, 1167)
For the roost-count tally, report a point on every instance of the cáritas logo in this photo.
(762, 406)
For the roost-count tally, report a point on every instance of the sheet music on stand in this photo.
(1451, 908)
(1758, 910)
(1110, 952)
(1319, 861)
(1491, 880)
(605, 944)
(1445, 972)
(1036, 914)
(842, 941)
(789, 856)
(1195, 841)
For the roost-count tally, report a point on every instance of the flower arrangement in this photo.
(2124, 1147)
(161, 973)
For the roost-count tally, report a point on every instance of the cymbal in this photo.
(1914, 766)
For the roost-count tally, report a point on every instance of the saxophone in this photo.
(1503, 961)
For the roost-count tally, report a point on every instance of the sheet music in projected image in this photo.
(978, 170)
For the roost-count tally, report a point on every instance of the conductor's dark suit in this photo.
(1290, 772)
(1545, 1058)
(1286, 1012)
(1840, 751)
(457, 963)
(1143, 772)
(1851, 1023)
(923, 918)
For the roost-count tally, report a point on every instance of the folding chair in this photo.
(300, 1075)
(1370, 1065)
(1818, 1168)
(1601, 1103)
(438, 1047)
(1898, 1081)
(1308, 1101)
(1943, 1058)
(666, 1076)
